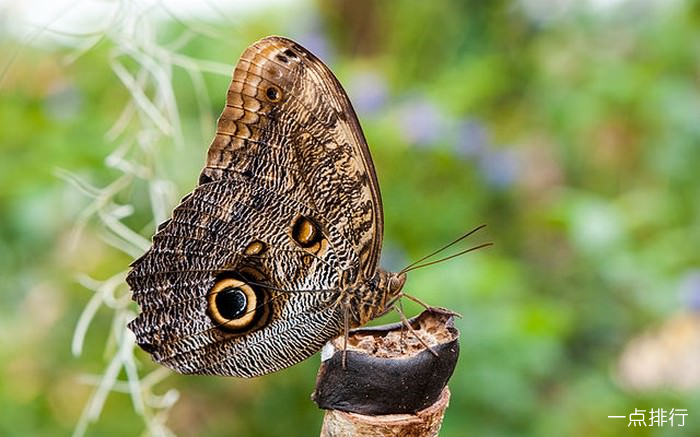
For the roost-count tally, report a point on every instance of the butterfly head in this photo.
(396, 280)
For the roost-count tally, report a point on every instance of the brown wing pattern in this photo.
(287, 207)
(305, 143)
(205, 237)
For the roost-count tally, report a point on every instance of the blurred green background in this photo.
(571, 128)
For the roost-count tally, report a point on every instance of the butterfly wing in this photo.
(245, 278)
(289, 125)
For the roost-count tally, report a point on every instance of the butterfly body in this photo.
(276, 250)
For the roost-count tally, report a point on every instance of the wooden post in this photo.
(392, 384)
(425, 423)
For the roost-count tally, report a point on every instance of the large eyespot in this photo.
(235, 305)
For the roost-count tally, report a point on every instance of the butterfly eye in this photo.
(273, 94)
(396, 282)
(233, 305)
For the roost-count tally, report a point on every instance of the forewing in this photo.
(289, 125)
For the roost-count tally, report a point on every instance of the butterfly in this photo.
(276, 250)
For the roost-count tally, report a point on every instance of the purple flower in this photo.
(317, 43)
(499, 167)
(308, 30)
(690, 289)
(421, 122)
(472, 139)
(368, 92)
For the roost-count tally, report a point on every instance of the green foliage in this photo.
(573, 134)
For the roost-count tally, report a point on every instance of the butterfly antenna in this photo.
(417, 264)
(471, 249)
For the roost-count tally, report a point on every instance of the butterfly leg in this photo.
(403, 330)
(346, 332)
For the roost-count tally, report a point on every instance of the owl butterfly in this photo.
(276, 250)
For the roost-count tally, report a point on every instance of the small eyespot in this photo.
(290, 53)
(255, 247)
(305, 232)
(273, 94)
(307, 260)
(282, 58)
